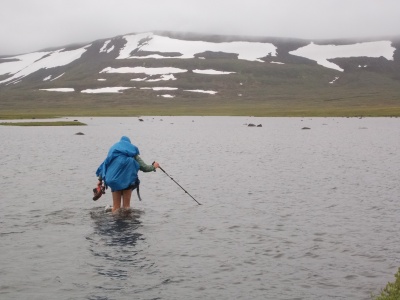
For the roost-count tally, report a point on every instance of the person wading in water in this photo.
(119, 171)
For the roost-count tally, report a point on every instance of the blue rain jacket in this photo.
(119, 169)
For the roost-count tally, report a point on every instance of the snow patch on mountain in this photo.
(139, 79)
(251, 51)
(144, 70)
(64, 90)
(43, 60)
(164, 77)
(20, 62)
(116, 89)
(211, 72)
(321, 53)
(333, 81)
(165, 72)
(57, 77)
(159, 88)
(104, 48)
(202, 91)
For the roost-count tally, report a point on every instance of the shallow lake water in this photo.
(287, 213)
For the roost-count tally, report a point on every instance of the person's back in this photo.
(119, 171)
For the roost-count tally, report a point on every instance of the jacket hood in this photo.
(125, 139)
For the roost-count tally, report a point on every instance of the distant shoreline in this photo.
(256, 111)
(44, 123)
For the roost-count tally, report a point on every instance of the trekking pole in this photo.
(179, 185)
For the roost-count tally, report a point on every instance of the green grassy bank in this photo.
(392, 290)
(203, 110)
(41, 123)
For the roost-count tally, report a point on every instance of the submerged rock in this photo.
(79, 133)
(253, 125)
(304, 128)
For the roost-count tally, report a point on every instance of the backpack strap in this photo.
(136, 186)
(138, 193)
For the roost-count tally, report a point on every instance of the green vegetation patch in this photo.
(392, 289)
(53, 123)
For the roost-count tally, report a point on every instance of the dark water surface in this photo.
(287, 213)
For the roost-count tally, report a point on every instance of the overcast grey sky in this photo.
(30, 25)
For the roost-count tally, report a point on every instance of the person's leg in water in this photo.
(126, 198)
(117, 195)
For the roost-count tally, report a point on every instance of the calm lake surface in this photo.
(286, 213)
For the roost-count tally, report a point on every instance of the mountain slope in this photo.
(176, 73)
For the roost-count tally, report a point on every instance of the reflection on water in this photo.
(114, 239)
